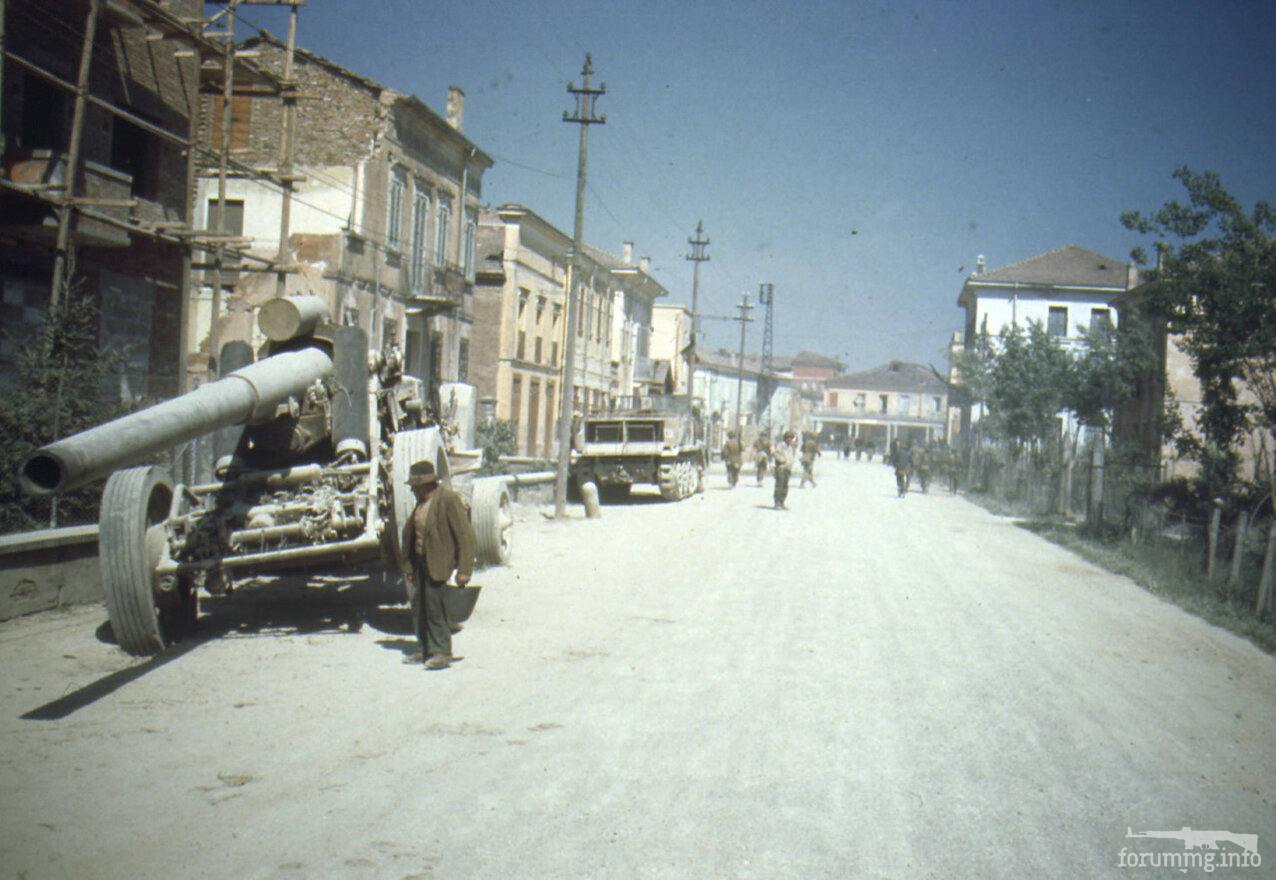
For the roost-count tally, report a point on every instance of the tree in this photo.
(1028, 385)
(1215, 284)
(1107, 371)
(65, 384)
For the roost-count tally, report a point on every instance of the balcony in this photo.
(43, 173)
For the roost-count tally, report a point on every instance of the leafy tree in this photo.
(64, 384)
(1107, 371)
(497, 438)
(1028, 385)
(1216, 286)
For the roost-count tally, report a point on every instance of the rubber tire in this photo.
(419, 444)
(492, 517)
(135, 504)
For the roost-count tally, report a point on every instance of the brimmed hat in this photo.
(422, 474)
(789, 435)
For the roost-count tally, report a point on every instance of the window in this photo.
(937, 404)
(533, 415)
(420, 215)
(537, 350)
(1100, 322)
(833, 400)
(549, 416)
(394, 220)
(436, 357)
(905, 403)
(516, 402)
(440, 230)
(1057, 324)
(133, 151)
(883, 401)
(43, 113)
(241, 120)
(463, 360)
(233, 224)
(860, 403)
(553, 353)
(467, 252)
(521, 351)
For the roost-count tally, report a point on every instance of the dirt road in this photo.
(860, 686)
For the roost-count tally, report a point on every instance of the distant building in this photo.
(670, 337)
(384, 218)
(520, 316)
(718, 376)
(1062, 289)
(898, 400)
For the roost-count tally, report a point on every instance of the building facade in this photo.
(383, 220)
(1064, 290)
(670, 337)
(125, 249)
(898, 400)
(520, 328)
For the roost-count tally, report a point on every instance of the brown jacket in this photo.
(449, 537)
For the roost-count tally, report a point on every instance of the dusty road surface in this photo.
(860, 686)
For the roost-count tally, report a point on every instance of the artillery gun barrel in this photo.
(247, 395)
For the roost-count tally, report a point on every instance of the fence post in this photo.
(1211, 540)
(1238, 548)
(1094, 510)
(1269, 568)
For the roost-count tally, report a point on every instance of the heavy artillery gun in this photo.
(312, 442)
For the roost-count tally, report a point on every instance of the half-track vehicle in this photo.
(312, 443)
(658, 440)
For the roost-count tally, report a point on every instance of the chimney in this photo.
(455, 106)
(644, 264)
(1131, 276)
(628, 253)
(979, 265)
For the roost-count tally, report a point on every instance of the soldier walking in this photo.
(761, 452)
(437, 541)
(922, 462)
(784, 454)
(733, 457)
(810, 452)
(902, 459)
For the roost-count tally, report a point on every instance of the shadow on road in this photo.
(267, 607)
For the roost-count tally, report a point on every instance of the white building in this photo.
(1065, 290)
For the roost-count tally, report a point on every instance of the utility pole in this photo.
(584, 117)
(744, 320)
(766, 297)
(697, 256)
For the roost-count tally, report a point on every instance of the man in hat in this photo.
(437, 540)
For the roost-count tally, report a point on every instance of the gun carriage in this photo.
(312, 444)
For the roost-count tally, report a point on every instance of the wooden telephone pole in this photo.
(584, 117)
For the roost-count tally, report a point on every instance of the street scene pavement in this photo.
(858, 686)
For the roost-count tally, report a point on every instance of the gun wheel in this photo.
(492, 515)
(131, 537)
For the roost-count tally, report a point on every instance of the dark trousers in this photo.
(733, 473)
(428, 615)
(781, 484)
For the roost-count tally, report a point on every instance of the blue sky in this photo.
(857, 155)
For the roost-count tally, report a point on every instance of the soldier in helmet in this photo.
(902, 459)
(437, 541)
(784, 454)
(810, 452)
(733, 458)
(761, 454)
